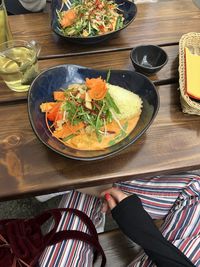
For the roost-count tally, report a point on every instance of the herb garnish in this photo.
(94, 118)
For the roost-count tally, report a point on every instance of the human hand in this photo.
(112, 197)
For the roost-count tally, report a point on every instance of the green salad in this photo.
(88, 18)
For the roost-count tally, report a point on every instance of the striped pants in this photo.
(174, 199)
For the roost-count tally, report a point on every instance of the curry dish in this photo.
(92, 115)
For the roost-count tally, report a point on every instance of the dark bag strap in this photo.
(53, 237)
(56, 214)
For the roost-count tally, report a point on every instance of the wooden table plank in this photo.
(157, 23)
(27, 167)
(111, 60)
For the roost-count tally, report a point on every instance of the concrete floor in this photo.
(25, 208)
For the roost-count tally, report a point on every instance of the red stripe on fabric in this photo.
(190, 222)
(181, 217)
(187, 248)
(155, 203)
(78, 244)
(84, 203)
(73, 247)
(197, 255)
(149, 193)
(66, 218)
(65, 221)
(196, 230)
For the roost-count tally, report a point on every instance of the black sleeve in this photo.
(136, 223)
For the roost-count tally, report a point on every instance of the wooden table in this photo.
(172, 143)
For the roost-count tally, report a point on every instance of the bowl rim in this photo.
(106, 155)
(102, 35)
(142, 66)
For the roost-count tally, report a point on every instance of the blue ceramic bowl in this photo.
(61, 76)
(129, 11)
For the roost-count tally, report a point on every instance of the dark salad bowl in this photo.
(128, 9)
(58, 77)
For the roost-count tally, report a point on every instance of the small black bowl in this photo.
(127, 8)
(148, 59)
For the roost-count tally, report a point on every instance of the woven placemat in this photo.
(192, 41)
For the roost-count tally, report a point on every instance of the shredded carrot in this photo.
(97, 88)
(52, 113)
(58, 117)
(47, 124)
(59, 95)
(71, 14)
(82, 96)
(68, 18)
(63, 132)
(47, 106)
(65, 22)
(68, 129)
(112, 127)
(77, 127)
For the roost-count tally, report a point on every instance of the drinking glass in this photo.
(19, 64)
(5, 31)
(197, 3)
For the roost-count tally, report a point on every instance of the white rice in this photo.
(129, 104)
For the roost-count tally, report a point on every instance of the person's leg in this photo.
(176, 200)
(157, 194)
(73, 253)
